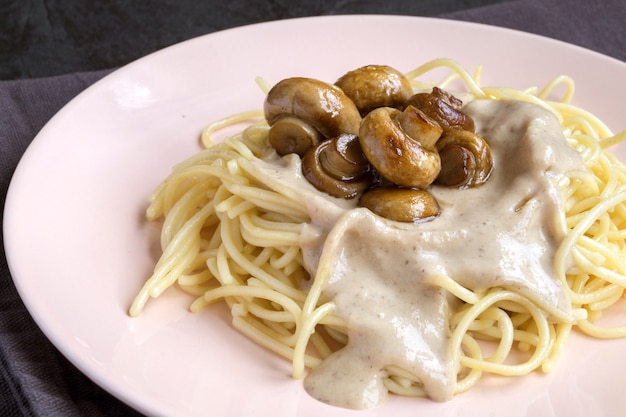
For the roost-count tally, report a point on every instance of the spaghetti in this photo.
(231, 233)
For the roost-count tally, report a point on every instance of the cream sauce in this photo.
(502, 234)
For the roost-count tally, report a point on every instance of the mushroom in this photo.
(337, 166)
(293, 135)
(303, 111)
(375, 86)
(406, 205)
(466, 159)
(444, 108)
(401, 145)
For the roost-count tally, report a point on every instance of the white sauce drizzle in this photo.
(501, 234)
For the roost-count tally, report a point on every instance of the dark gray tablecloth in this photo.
(35, 379)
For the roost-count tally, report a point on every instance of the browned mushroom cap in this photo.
(375, 86)
(337, 167)
(401, 145)
(444, 108)
(297, 108)
(401, 204)
(466, 159)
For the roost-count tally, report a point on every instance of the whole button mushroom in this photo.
(337, 167)
(401, 204)
(401, 145)
(374, 86)
(466, 159)
(303, 111)
(444, 108)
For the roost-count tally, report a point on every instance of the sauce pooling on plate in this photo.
(502, 234)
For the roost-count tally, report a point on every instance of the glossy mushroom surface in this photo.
(374, 86)
(466, 159)
(401, 145)
(388, 157)
(337, 167)
(401, 204)
(293, 135)
(444, 108)
(306, 106)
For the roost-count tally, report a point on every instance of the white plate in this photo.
(79, 249)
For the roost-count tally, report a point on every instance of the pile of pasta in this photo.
(227, 237)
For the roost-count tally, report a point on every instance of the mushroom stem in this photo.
(343, 158)
(420, 127)
(292, 135)
(336, 167)
(466, 159)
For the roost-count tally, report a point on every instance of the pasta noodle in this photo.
(228, 236)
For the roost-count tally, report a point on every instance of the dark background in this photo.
(41, 38)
